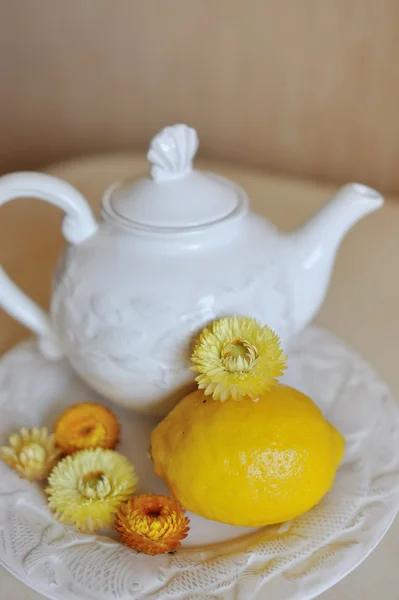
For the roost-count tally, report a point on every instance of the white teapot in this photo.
(173, 253)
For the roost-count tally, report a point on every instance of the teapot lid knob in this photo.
(172, 152)
(177, 198)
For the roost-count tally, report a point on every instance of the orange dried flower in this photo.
(152, 524)
(86, 425)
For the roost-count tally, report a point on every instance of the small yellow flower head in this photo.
(237, 357)
(86, 425)
(151, 524)
(31, 453)
(86, 488)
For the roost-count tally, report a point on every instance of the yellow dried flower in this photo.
(86, 425)
(237, 357)
(31, 453)
(152, 524)
(86, 488)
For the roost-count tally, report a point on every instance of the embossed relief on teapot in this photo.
(138, 338)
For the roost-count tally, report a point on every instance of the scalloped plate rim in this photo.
(326, 584)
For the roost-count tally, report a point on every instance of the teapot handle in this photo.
(78, 225)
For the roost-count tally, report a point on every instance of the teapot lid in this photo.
(176, 196)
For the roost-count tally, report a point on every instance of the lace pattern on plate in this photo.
(293, 561)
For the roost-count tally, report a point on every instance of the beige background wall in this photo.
(309, 87)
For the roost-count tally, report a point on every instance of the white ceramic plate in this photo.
(296, 560)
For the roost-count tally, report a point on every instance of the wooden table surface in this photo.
(361, 307)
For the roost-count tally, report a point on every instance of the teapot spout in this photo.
(312, 249)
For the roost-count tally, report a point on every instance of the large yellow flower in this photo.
(86, 488)
(86, 425)
(152, 524)
(31, 453)
(237, 357)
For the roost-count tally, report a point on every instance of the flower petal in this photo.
(237, 357)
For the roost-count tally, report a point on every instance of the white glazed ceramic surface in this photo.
(173, 253)
(294, 561)
(128, 310)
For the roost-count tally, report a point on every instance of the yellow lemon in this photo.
(247, 463)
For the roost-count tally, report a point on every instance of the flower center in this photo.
(32, 453)
(88, 433)
(92, 479)
(87, 430)
(239, 356)
(95, 485)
